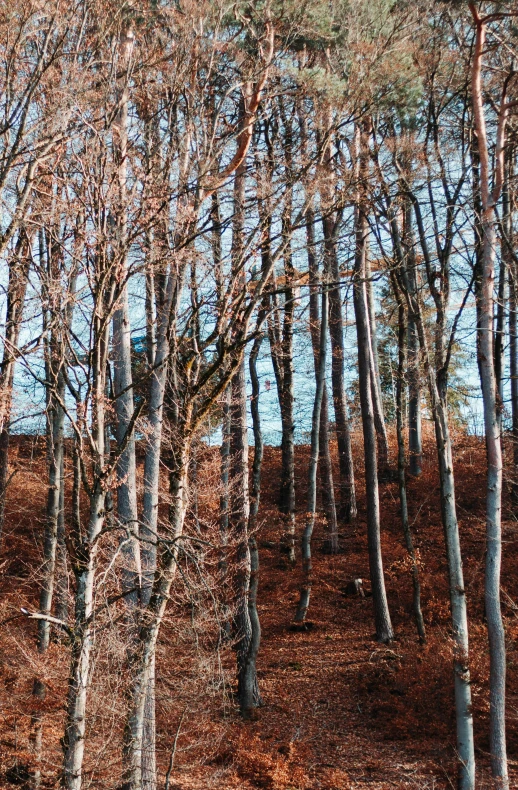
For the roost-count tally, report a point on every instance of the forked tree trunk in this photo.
(142, 657)
(307, 567)
(60, 320)
(347, 510)
(402, 365)
(324, 452)
(384, 632)
(82, 644)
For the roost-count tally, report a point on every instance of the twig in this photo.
(173, 750)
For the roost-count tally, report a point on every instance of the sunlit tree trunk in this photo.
(492, 404)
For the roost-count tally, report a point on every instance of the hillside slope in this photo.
(340, 711)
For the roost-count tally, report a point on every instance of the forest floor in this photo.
(340, 710)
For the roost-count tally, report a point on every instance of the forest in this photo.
(258, 394)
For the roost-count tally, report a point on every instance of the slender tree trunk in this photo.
(62, 590)
(78, 683)
(375, 379)
(248, 693)
(255, 490)
(437, 384)
(307, 568)
(247, 641)
(348, 510)
(512, 270)
(143, 655)
(402, 364)
(331, 545)
(123, 379)
(225, 429)
(492, 408)
(415, 447)
(16, 290)
(287, 490)
(384, 632)
(464, 716)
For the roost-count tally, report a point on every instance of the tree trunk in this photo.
(415, 449)
(247, 642)
(123, 379)
(15, 300)
(330, 221)
(348, 509)
(85, 567)
(330, 545)
(248, 694)
(384, 632)
(402, 364)
(375, 379)
(143, 655)
(508, 209)
(286, 398)
(307, 568)
(492, 408)
(62, 590)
